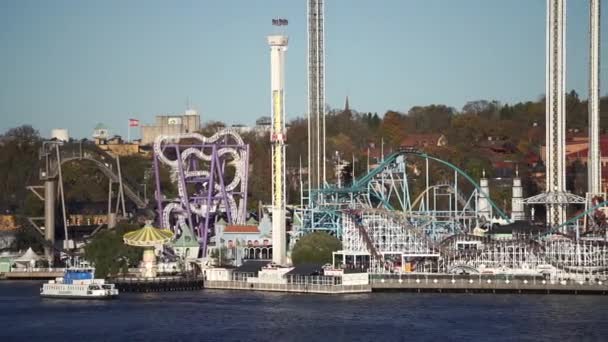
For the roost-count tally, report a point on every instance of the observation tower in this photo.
(278, 47)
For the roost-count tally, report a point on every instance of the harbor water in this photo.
(221, 315)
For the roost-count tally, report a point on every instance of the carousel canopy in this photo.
(148, 236)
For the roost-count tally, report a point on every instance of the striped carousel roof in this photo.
(148, 236)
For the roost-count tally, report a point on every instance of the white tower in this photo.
(555, 110)
(594, 168)
(483, 203)
(278, 46)
(517, 205)
(555, 197)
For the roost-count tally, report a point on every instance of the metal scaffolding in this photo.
(383, 241)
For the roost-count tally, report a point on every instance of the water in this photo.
(215, 315)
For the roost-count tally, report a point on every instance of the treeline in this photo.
(518, 127)
(349, 135)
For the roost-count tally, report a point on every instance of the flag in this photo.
(133, 122)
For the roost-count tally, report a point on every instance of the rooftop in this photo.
(235, 229)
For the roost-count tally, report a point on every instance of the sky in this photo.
(72, 64)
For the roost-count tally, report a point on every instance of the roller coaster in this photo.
(444, 230)
(211, 177)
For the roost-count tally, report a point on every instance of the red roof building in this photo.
(240, 229)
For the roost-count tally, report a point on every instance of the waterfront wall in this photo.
(300, 288)
(158, 284)
(490, 284)
(41, 274)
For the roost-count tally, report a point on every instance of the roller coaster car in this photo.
(408, 149)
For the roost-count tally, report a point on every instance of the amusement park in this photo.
(412, 220)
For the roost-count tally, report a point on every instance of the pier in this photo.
(157, 284)
(40, 274)
(484, 284)
(276, 287)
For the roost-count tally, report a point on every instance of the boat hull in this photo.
(65, 296)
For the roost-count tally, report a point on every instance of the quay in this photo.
(37, 274)
(278, 287)
(484, 284)
(311, 279)
(428, 283)
(157, 284)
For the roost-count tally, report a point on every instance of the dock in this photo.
(32, 275)
(276, 287)
(157, 284)
(484, 284)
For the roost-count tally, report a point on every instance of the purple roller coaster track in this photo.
(211, 178)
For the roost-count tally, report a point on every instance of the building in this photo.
(189, 122)
(101, 132)
(186, 246)
(263, 125)
(116, 146)
(251, 241)
(241, 129)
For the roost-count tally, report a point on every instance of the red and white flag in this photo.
(133, 122)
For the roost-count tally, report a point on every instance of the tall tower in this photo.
(483, 203)
(278, 46)
(517, 206)
(316, 95)
(555, 110)
(594, 168)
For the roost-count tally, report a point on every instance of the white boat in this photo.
(79, 283)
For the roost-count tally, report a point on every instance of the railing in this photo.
(38, 269)
(486, 282)
(313, 280)
(276, 287)
(158, 284)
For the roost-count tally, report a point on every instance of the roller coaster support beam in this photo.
(49, 219)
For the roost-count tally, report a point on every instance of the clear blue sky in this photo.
(72, 64)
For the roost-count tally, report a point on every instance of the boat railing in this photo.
(38, 269)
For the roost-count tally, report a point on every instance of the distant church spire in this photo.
(346, 108)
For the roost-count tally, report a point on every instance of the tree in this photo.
(18, 166)
(212, 127)
(483, 108)
(341, 143)
(24, 133)
(220, 256)
(433, 118)
(109, 254)
(315, 248)
(26, 238)
(392, 128)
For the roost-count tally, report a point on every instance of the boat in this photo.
(79, 283)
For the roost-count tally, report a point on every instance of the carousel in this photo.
(150, 239)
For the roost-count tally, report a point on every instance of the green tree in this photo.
(18, 166)
(27, 237)
(220, 256)
(109, 254)
(315, 248)
(433, 118)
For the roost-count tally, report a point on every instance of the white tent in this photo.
(28, 258)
